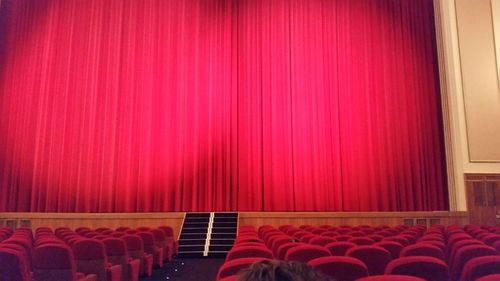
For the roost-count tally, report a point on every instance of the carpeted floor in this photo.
(187, 270)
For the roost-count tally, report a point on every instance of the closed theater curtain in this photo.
(227, 105)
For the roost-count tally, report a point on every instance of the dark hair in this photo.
(274, 270)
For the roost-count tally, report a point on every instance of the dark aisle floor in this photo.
(187, 270)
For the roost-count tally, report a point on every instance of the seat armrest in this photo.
(114, 273)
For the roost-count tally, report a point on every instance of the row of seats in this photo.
(355, 252)
(84, 254)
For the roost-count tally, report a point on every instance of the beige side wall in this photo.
(469, 64)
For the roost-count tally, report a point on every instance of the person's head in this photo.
(274, 270)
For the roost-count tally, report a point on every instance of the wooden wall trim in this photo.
(98, 216)
(257, 219)
(300, 215)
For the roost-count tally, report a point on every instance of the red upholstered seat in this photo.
(25, 250)
(339, 248)
(283, 249)
(422, 249)
(307, 238)
(249, 252)
(490, 239)
(90, 256)
(232, 267)
(393, 247)
(493, 277)
(391, 277)
(55, 262)
(280, 237)
(170, 239)
(340, 268)
(401, 240)
(305, 253)
(322, 241)
(122, 228)
(151, 248)
(116, 250)
(375, 258)
(230, 278)
(319, 231)
(248, 238)
(376, 237)
(466, 253)
(161, 242)
(278, 241)
(13, 266)
(428, 268)
(356, 234)
(452, 249)
(480, 266)
(135, 249)
(361, 241)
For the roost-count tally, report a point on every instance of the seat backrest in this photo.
(480, 266)
(53, 262)
(492, 277)
(159, 237)
(232, 267)
(339, 248)
(169, 231)
(466, 253)
(134, 244)
(90, 256)
(401, 240)
(340, 268)
(13, 266)
(116, 251)
(391, 277)
(284, 248)
(322, 241)
(422, 249)
(122, 228)
(374, 257)
(428, 268)
(392, 246)
(361, 241)
(249, 252)
(305, 253)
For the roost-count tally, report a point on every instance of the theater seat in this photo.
(339, 248)
(340, 268)
(393, 247)
(170, 239)
(466, 253)
(428, 268)
(480, 266)
(161, 242)
(151, 248)
(422, 249)
(13, 266)
(55, 262)
(116, 250)
(390, 277)
(249, 252)
(305, 253)
(232, 267)
(90, 256)
(135, 249)
(493, 277)
(375, 258)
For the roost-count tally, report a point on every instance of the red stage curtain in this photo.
(196, 105)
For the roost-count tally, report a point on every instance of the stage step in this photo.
(207, 234)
